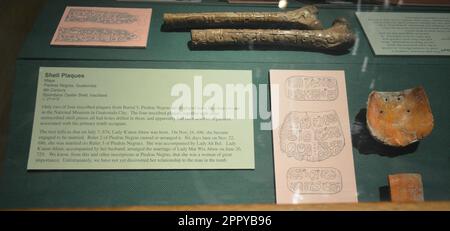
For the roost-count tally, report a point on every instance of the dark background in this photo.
(16, 20)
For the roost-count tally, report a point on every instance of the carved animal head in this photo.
(340, 35)
(307, 13)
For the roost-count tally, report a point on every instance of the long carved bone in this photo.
(337, 37)
(303, 18)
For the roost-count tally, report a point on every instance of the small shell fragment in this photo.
(399, 118)
(406, 187)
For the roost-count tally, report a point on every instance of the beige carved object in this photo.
(337, 37)
(303, 18)
(399, 118)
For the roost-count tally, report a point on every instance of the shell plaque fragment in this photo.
(399, 118)
(406, 187)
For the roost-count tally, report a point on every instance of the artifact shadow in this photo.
(165, 28)
(265, 48)
(385, 193)
(366, 144)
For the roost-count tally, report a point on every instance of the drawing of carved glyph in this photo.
(314, 180)
(311, 136)
(98, 16)
(302, 88)
(78, 34)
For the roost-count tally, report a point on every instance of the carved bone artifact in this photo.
(303, 18)
(399, 118)
(337, 37)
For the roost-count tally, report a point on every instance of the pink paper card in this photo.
(101, 26)
(311, 137)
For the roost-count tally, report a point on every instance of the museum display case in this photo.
(344, 107)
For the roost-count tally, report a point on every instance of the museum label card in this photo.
(311, 137)
(103, 26)
(407, 33)
(111, 118)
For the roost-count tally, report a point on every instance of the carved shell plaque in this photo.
(399, 118)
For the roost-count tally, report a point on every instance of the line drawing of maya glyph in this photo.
(307, 88)
(99, 16)
(80, 34)
(311, 136)
(314, 180)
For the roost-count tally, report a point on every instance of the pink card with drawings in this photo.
(311, 137)
(102, 26)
